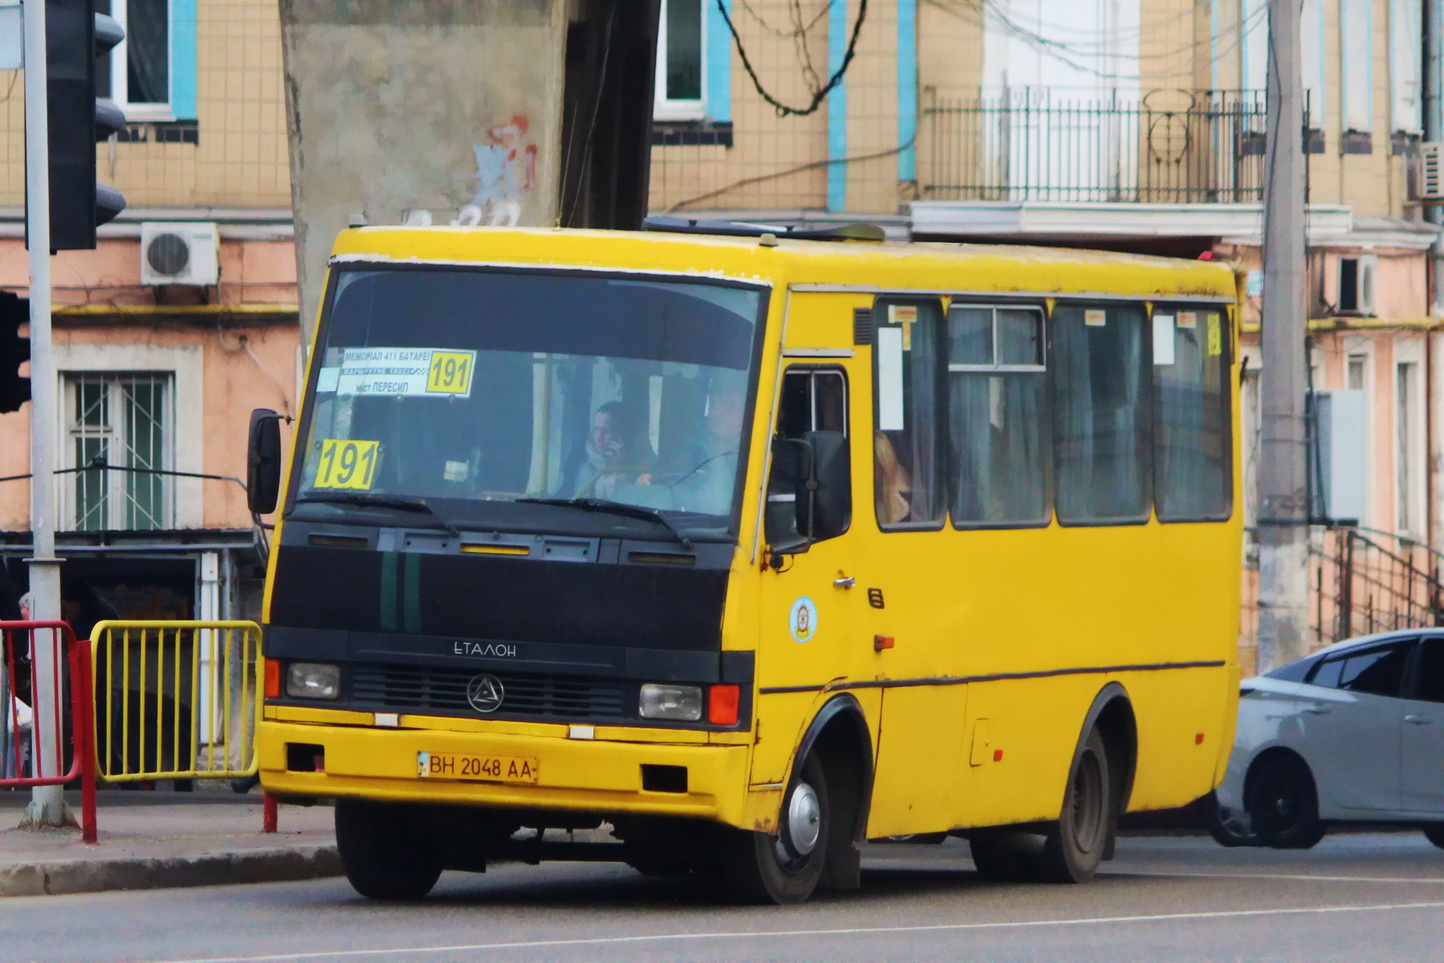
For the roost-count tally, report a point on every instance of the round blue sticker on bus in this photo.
(802, 620)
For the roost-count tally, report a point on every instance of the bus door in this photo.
(808, 597)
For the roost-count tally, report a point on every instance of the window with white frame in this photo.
(119, 428)
(680, 68)
(136, 74)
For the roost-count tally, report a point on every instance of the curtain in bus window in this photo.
(1191, 458)
(908, 483)
(996, 421)
(1099, 417)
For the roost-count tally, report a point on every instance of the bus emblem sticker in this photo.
(485, 693)
(802, 620)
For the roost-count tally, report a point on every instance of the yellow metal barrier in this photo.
(176, 699)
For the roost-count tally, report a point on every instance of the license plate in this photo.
(464, 765)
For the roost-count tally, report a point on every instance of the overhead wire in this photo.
(818, 95)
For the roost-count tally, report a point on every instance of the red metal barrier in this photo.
(76, 657)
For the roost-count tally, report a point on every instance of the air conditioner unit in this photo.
(1431, 171)
(179, 252)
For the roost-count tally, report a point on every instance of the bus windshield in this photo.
(507, 399)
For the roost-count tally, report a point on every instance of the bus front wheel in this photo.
(1074, 847)
(762, 868)
(388, 852)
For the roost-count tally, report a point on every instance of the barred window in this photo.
(120, 431)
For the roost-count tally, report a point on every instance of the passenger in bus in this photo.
(894, 484)
(615, 452)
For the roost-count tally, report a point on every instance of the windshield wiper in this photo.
(615, 508)
(405, 503)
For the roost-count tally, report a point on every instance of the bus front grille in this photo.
(398, 688)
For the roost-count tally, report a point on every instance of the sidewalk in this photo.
(151, 840)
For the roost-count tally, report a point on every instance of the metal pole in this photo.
(1283, 512)
(1433, 24)
(47, 803)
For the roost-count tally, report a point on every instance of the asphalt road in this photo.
(1372, 897)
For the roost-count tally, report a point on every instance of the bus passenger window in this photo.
(1192, 464)
(997, 416)
(907, 442)
(1100, 418)
(813, 399)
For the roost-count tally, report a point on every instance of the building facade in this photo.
(180, 322)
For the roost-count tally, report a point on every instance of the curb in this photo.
(99, 875)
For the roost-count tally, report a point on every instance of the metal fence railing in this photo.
(1361, 581)
(176, 699)
(1037, 144)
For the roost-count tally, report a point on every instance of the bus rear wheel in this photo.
(786, 868)
(388, 852)
(1074, 847)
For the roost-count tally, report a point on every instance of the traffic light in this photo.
(75, 36)
(14, 350)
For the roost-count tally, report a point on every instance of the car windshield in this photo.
(523, 398)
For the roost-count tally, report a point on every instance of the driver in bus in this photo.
(614, 453)
(706, 485)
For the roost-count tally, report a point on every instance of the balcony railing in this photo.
(1037, 144)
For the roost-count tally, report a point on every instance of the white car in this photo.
(1352, 733)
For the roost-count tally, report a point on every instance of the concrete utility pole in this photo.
(1433, 31)
(1282, 497)
(47, 804)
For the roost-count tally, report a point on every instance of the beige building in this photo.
(159, 361)
(1131, 124)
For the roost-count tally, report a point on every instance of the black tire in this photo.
(387, 851)
(1227, 825)
(1435, 834)
(1007, 857)
(1074, 847)
(1283, 804)
(785, 868)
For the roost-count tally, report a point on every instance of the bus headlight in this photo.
(313, 680)
(682, 702)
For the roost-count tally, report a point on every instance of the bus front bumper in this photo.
(591, 775)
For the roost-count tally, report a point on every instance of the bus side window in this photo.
(1192, 444)
(997, 415)
(1101, 413)
(813, 399)
(907, 440)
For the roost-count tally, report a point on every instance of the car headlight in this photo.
(682, 702)
(313, 680)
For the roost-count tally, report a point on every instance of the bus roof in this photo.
(863, 265)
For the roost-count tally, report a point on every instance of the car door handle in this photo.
(1317, 710)
(846, 582)
(1418, 720)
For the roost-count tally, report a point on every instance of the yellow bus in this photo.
(748, 549)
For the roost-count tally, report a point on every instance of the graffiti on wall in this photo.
(505, 173)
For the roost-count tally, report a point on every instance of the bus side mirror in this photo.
(263, 462)
(832, 489)
(787, 496)
(809, 494)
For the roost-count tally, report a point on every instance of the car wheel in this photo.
(1227, 825)
(786, 868)
(388, 852)
(1283, 804)
(1435, 834)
